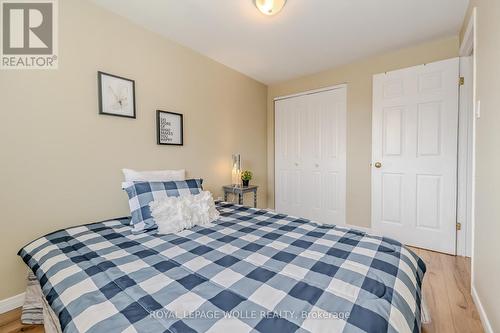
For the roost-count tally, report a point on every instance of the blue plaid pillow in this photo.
(141, 194)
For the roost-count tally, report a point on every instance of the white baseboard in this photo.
(355, 227)
(11, 303)
(482, 314)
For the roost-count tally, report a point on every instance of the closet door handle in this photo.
(316, 165)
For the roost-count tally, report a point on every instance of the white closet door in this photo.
(414, 173)
(310, 156)
(288, 156)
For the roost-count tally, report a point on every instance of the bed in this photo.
(251, 271)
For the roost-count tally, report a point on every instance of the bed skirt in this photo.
(36, 310)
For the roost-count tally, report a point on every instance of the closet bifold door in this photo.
(288, 156)
(310, 155)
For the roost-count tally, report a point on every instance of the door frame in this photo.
(465, 237)
(310, 92)
(465, 157)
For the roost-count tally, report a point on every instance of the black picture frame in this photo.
(158, 128)
(100, 74)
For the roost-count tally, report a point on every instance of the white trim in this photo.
(468, 40)
(11, 303)
(468, 47)
(356, 227)
(314, 91)
(465, 157)
(482, 314)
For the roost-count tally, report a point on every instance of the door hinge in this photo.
(459, 226)
(461, 81)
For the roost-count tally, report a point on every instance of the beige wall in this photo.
(60, 161)
(486, 259)
(358, 77)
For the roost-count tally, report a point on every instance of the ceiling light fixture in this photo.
(270, 7)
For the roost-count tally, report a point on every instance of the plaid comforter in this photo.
(251, 271)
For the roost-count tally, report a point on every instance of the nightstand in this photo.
(240, 191)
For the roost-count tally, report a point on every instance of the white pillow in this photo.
(174, 214)
(154, 176)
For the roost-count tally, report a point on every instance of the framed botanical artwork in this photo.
(169, 128)
(116, 95)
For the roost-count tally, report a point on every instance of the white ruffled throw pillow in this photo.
(174, 214)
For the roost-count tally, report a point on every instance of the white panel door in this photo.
(310, 155)
(414, 167)
(288, 155)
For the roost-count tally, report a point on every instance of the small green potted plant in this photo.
(246, 176)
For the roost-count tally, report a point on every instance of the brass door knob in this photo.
(378, 165)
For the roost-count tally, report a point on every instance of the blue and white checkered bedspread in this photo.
(251, 271)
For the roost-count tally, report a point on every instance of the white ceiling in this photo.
(307, 36)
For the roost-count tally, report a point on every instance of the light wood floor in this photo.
(10, 322)
(446, 292)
